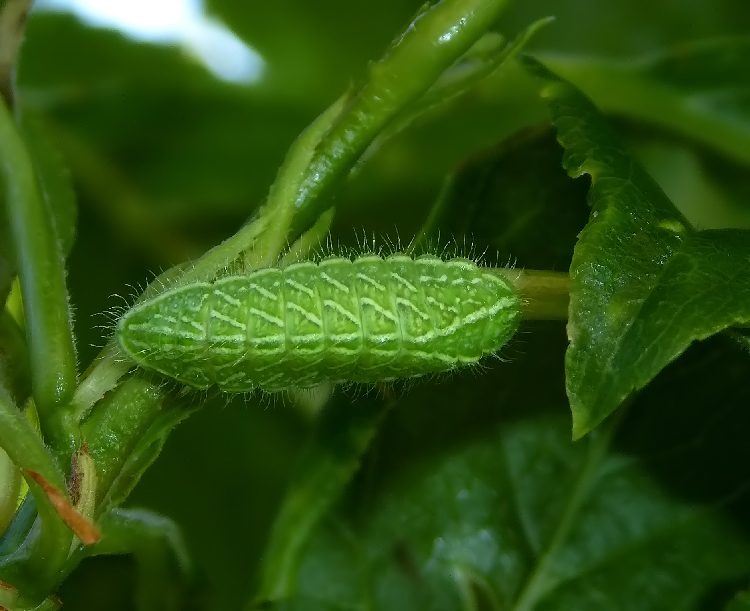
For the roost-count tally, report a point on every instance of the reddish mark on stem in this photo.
(82, 527)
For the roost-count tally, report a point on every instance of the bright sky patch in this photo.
(178, 22)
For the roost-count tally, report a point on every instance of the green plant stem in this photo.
(275, 217)
(310, 241)
(42, 276)
(326, 467)
(545, 294)
(101, 377)
(117, 424)
(437, 37)
(124, 434)
(482, 59)
(33, 566)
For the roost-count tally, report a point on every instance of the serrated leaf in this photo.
(644, 284)
(700, 89)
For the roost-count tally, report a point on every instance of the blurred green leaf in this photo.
(700, 89)
(497, 501)
(313, 50)
(524, 520)
(644, 286)
(195, 148)
(226, 469)
(627, 28)
(514, 200)
(325, 469)
(161, 557)
(711, 192)
(741, 602)
(742, 337)
(97, 60)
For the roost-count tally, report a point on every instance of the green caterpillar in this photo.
(364, 320)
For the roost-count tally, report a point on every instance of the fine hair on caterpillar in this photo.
(368, 319)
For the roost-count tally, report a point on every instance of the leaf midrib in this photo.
(537, 584)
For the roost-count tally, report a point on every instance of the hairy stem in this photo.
(42, 274)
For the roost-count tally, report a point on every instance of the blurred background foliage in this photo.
(167, 159)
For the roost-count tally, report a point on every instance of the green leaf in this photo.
(325, 469)
(97, 60)
(741, 602)
(311, 51)
(700, 90)
(524, 519)
(513, 200)
(709, 190)
(125, 433)
(496, 508)
(644, 285)
(196, 174)
(160, 554)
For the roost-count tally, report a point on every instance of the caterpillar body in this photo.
(363, 320)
